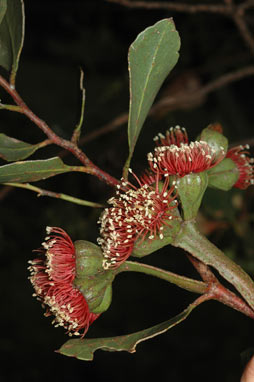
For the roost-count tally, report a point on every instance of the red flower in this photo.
(175, 156)
(148, 178)
(52, 277)
(240, 156)
(137, 212)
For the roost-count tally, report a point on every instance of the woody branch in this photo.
(72, 147)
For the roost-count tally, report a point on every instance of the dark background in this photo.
(62, 36)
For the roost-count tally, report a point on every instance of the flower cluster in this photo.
(136, 213)
(52, 277)
(143, 212)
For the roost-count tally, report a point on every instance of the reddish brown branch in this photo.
(216, 291)
(178, 7)
(236, 12)
(65, 144)
(238, 18)
(216, 84)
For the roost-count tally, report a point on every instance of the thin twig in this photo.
(246, 5)
(216, 84)
(172, 103)
(216, 291)
(181, 281)
(178, 7)
(67, 145)
(42, 192)
(236, 12)
(238, 18)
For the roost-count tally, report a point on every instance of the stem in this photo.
(181, 281)
(216, 291)
(201, 248)
(76, 134)
(67, 145)
(210, 289)
(42, 192)
(183, 7)
(15, 108)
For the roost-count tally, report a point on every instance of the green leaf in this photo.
(84, 349)
(12, 149)
(32, 171)
(3, 9)
(152, 56)
(12, 36)
(224, 175)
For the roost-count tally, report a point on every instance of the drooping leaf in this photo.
(83, 349)
(12, 36)
(32, 171)
(152, 56)
(12, 149)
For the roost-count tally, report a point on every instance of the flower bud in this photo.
(88, 259)
(216, 140)
(190, 191)
(91, 279)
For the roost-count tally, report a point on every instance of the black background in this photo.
(62, 36)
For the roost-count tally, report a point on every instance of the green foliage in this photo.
(84, 349)
(224, 175)
(3, 9)
(11, 34)
(152, 56)
(12, 149)
(32, 171)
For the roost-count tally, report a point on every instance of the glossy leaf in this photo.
(32, 171)
(152, 56)
(12, 149)
(12, 35)
(83, 349)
